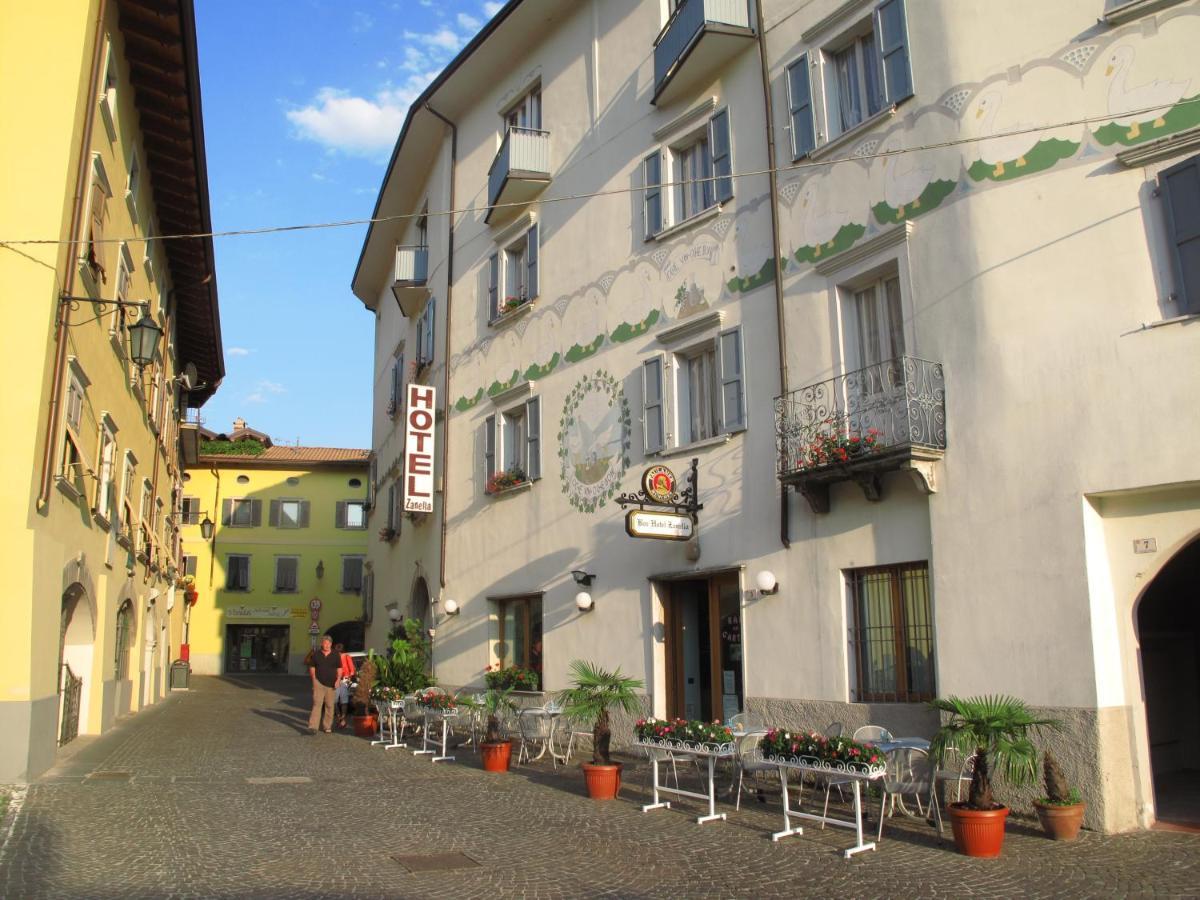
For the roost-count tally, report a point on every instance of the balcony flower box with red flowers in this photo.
(508, 480)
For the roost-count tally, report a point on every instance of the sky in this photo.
(303, 103)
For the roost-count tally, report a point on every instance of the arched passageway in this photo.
(75, 660)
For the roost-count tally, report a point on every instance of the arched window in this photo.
(124, 639)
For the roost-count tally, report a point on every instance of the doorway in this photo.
(703, 647)
(1168, 627)
(256, 648)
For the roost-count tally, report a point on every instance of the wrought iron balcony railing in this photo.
(685, 31)
(891, 415)
(412, 265)
(520, 170)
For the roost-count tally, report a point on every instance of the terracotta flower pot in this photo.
(603, 782)
(365, 726)
(977, 832)
(1061, 823)
(496, 755)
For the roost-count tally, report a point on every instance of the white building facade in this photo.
(936, 373)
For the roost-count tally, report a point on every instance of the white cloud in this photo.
(356, 125)
(415, 59)
(361, 22)
(238, 351)
(443, 38)
(491, 8)
(264, 390)
(468, 22)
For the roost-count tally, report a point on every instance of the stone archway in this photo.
(76, 658)
(1167, 618)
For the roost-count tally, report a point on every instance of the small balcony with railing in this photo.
(409, 282)
(700, 37)
(888, 417)
(520, 171)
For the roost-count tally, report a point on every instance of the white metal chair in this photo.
(910, 772)
(744, 748)
(747, 722)
(473, 720)
(412, 716)
(537, 729)
(957, 771)
(872, 734)
(833, 729)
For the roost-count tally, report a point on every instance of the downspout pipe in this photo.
(772, 177)
(446, 359)
(63, 312)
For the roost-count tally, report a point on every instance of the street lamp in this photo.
(206, 529)
(143, 340)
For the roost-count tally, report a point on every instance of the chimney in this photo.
(239, 423)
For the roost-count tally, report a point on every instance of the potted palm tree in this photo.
(593, 693)
(1061, 810)
(997, 730)
(495, 750)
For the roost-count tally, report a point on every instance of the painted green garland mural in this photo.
(593, 441)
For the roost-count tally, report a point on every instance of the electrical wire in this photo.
(541, 201)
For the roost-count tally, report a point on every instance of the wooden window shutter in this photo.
(226, 511)
(533, 438)
(255, 513)
(273, 514)
(652, 405)
(531, 261)
(891, 33)
(800, 108)
(304, 512)
(493, 286)
(339, 515)
(731, 360)
(722, 158)
(1181, 195)
(652, 211)
(489, 447)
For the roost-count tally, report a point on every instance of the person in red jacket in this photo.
(343, 688)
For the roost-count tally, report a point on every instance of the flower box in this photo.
(681, 734)
(838, 448)
(810, 750)
(504, 481)
(518, 678)
(436, 700)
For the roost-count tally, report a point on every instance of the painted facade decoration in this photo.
(594, 441)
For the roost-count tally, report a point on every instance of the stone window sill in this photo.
(667, 233)
(684, 449)
(505, 317)
(508, 491)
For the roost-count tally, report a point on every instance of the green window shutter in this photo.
(304, 505)
(722, 156)
(531, 262)
(226, 511)
(891, 32)
(339, 514)
(800, 108)
(273, 515)
(652, 211)
(255, 513)
(652, 405)
(533, 438)
(733, 383)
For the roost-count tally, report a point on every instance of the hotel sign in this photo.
(258, 612)
(418, 449)
(663, 526)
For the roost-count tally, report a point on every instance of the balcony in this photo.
(412, 266)
(520, 171)
(700, 38)
(889, 417)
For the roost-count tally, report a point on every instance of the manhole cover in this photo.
(110, 776)
(436, 862)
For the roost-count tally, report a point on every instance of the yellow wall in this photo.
(46, 56)
(321, 541)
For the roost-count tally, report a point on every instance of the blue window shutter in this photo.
(652, 215)
(1181, 194)
(531, 261)
(731, 359)
(722, 158)
(652, 405)
(494, 285)
(891, 32)
(533, 438)
(489, 448)
(800, 108)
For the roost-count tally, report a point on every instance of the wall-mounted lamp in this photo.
(320, 568)
(143, 340)
(767, 583)
(584, 601)
(582, 577)
(394, 614)
(451, 607)
(206, 528)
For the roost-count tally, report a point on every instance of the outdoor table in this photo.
(426, 739)
(855, 773)
(393, 712)
(553, 715)
(907, 743)
(709, 752)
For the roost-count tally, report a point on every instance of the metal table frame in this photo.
(441, 745)
(855, 773)
(710, 752)
(393, 713)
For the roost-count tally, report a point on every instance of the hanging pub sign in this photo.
(418, 449)
(663, 512)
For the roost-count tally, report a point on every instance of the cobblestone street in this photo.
(220, 792)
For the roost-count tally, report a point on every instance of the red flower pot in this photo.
(365, 726)
(603, 782)
(978, 832)
(495, 755)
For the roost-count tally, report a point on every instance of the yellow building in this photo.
(285, 560)
(103, 148)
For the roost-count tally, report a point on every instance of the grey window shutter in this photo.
(395, 398)
(273, 515)
(891, 31)
(733, 382)
(1181, 193)
(489, 447)
(493, 285)
(304, 506)
(531, 261)
(800, 108)
(652, 215)
(255, 513)
(722, 158)
(368, 597)
(339, 514)
(391, 511)
(226, 511)
(652, 404)
(430, 318)
(533, 438)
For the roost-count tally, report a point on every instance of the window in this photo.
(372, 480)
(95, 250)
(526, 112)
(145, 516)
(699, 165)
(425, 333)
(351, 514)
(286, 570)
(520, 621)
(108, 91)
(237, 572)
(891, 633)
(289, 514)
(352, 574)
(116, 321)
(394, 511)
(132, 186)
(189, 511)
(695, 392)
(128, 482)
(241, 513)
(1180, 186)
(512, 445)
(396, 401)
(124, 640)
(878, 322)
(189, 565)
(856, 74)
(106, 468)
(513, 274)
(71, 467)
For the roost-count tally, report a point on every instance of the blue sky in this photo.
(302, 106)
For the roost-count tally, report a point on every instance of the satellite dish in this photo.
(190, 379)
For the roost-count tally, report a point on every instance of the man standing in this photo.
(325, 670)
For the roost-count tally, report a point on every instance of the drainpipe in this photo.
(68, 281)
(780, 319)
(449, 314)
